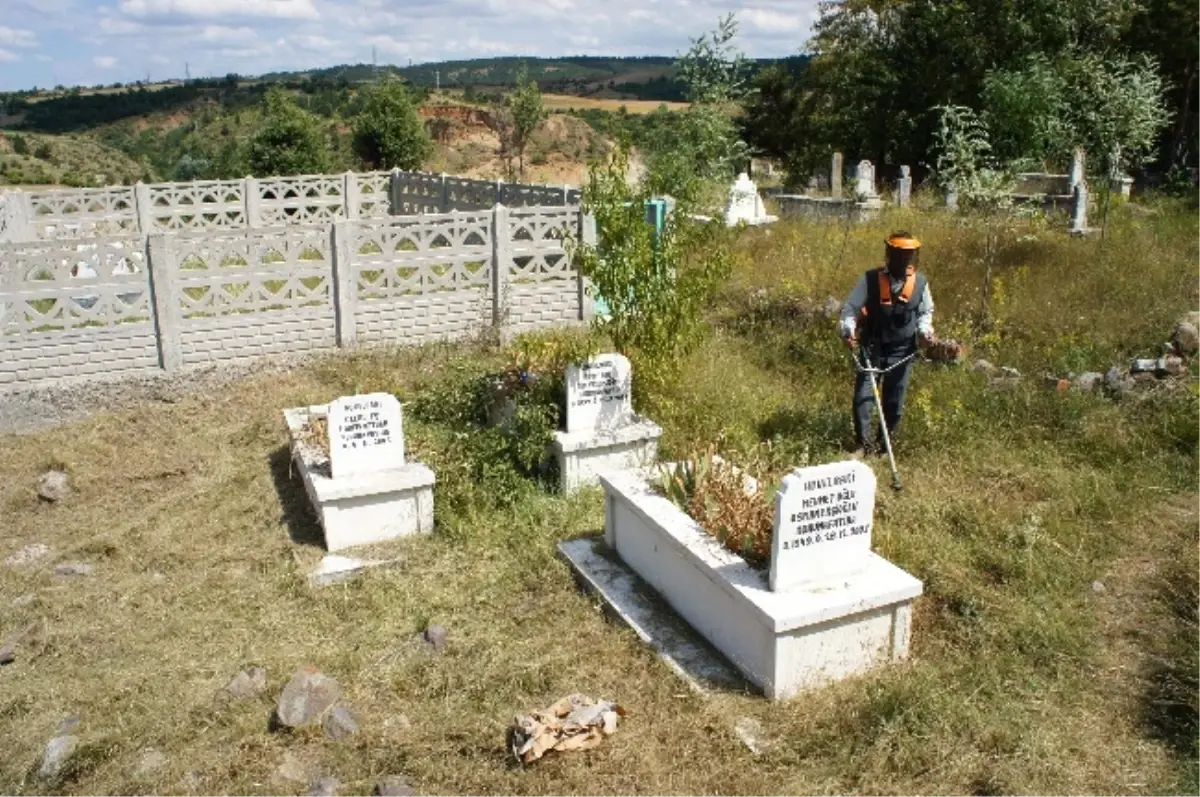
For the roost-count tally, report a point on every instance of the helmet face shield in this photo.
(902, 252)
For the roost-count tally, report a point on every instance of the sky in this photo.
(84, 42)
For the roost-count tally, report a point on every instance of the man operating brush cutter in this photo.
(887, 313)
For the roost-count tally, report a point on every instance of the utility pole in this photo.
(187, 72)
(437, 79)
(375, 63)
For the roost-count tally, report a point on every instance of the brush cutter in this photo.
(865, 368)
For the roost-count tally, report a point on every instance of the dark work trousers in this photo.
(895, 385)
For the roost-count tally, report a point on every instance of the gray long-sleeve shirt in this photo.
(848, 323)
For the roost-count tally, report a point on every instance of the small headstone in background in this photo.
(8, 653)
(53, 486)
(983, 367)
(246, 684)
(599, 393)
(823, 520)
(27, 555)
(366, 434)
(904, 187)
(73, 569)
(864, 180)
(306, 698)
(392, 786)
(835, 176)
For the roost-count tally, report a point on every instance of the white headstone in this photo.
(365, 434)
(744, 202)
(823, 520)
(864, 179)
(599, 393)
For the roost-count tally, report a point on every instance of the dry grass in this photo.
(1022, 678)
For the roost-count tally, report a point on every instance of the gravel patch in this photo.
(23, 411)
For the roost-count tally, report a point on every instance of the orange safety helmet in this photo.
(903, 240)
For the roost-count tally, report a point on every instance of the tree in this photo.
(527, 113)
(1167, 31)
(388, 133)
(289, 140)
(1112, 106)
(879, 68)
(656, 284)
(693, 155)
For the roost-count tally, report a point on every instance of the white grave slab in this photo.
(823, 519)
(365, 434)
(745, 204)
(600, 394)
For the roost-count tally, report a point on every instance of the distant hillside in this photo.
(649, 77)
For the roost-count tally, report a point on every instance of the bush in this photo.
(290, 140)
(20, 145)
(388, 134)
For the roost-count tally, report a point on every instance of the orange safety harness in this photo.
(885, 288)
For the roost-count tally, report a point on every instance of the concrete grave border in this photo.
(361, 509)
(783, 642)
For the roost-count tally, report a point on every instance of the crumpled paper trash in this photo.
(574, 723)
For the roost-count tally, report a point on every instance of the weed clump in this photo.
(725, 501)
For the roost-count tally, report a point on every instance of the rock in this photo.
(24, 600)
(750, 731)
(246, 684)
(67, 725)
(1186, 338)
(53, 486)
(435, 637)
(325, 787)
(983, 367)
(27, 555)
(1117, 383)
(1172, 366)
(150, 762)
(73, 569)
(8, 653)
(340, 722)
(58, 751)
(290, 770)
(1142, 365)
(1099, 588)
(1088, 382)
(1012, 373)
(392, 786)
(306, 698)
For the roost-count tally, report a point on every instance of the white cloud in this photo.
(255, 36)
(278, 9)
(17, 37)
(105, 61)
(221, 34)
(8, 56)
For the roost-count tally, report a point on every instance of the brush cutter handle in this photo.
(867, 369)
